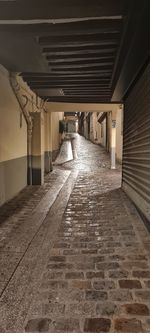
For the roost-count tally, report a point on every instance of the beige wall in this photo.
(98, 130)
(56, 137)
(13, 142)
(13, 135)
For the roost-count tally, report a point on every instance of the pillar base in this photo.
(37, 170)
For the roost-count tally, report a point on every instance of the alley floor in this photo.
(74, 253)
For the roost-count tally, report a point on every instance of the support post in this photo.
(29, 153)
(37, 149)
(48, 150)
(113, 141)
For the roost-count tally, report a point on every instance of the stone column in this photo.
(38, 149)
(113, 140)
(48, 143)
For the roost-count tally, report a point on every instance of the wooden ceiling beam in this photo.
(68, 86)
(86, 89)
(84, 49)
(78, 71)
(81, 83)
(84, 74)
(72, 82)
(81, 44)
(62, 29)
(84, 93)
(82, 66)
(88, 93)
(49, 40)
(57, 9)
(77, 58)
(55, 77)
(81, 62)
(77, 99)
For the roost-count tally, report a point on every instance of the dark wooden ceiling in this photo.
(66, 50)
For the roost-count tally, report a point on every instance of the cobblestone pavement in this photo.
(87, 268)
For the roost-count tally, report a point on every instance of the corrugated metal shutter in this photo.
(136, 151)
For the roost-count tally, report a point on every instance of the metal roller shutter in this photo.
(136, 150)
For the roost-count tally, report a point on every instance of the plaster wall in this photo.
(13, 142)
(56, 136)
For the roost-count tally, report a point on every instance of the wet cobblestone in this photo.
(95, 275)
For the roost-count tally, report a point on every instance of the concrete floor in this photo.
(74, 253)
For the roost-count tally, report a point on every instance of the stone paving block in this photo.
(137, 309)
(52, 275)
(120, 295)
(70, 295)
(108, 266)
(47, 309)
(141, 274)
(147, 284)
(81, 284)
(85, 266)
(67, 325)
(130, 284)
(60, 266)
(105, 284)
(128, 325)
(81, 309)
(54, 284)
(118, 274)
(97, 325)
(106, 309)
(96, 295)
(143, 295)
(38, 325)
(74, 275)
(135, 265)
(95, 275)
(57, 259)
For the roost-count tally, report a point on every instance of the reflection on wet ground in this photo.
(74, 253)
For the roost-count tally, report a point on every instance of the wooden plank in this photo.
(86, 70)
(53, 76)
(49, 40)
(86, 89)
(81, 62)
(69, 85)
(76, 44)
(69, 50)
(78, 99)
(75, 28)
(88, 93)
(58, 9)
(84, 66)
(66, 58)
